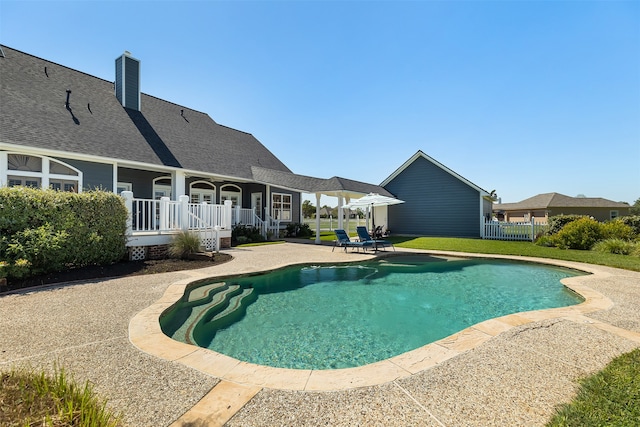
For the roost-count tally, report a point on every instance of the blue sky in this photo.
(517, 96)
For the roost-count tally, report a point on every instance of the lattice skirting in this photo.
(137, 253)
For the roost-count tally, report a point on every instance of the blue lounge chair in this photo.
(343, 241)
(363, 234)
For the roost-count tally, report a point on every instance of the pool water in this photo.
(327, 317)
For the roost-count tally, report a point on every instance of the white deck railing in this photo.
(164, 215)
(248, 217)
(497, 230)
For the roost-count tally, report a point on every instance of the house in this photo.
(176, 167)
(438, 201)
(542, 206)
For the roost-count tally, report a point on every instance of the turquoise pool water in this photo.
(327, 317)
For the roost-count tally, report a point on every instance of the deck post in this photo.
(226, 216)
(164, 213)
(184, 212)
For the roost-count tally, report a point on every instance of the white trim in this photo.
(420, 154)
(43, 175)
(290, 210)
(226, 193)
(131, 164)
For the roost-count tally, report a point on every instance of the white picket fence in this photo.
(527, 230)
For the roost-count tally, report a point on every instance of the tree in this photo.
(635, 208)
(308, 210)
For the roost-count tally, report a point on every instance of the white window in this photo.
(39, 172)
(281, 206)
(231, 192)
(124, 186)
(202, 191)
(613, 214)
(162, 188)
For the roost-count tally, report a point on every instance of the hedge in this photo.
(43, 231)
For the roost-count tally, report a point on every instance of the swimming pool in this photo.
(327, 317)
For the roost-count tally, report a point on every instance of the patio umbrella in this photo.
(372, 200)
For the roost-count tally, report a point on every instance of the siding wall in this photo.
(436, 203)
(141, 180)
(94, 175)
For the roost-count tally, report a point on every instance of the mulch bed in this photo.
(120, 269)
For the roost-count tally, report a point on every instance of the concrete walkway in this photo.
(510, 371)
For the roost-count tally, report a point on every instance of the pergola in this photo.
(342, 188)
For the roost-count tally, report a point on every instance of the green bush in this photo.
(615, 246)
(245, 234)
(46, 230)
(548, 241)
(582, 234)
(184, 244)
(632, 221)
(556, 223)
(298, 230)
(617, 230)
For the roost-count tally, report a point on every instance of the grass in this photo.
(610, 397)
(28, 398)
(500, 247)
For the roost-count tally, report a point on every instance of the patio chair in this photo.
(343, 241)
(363, 234)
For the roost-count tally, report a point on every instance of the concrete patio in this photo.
(509, 371)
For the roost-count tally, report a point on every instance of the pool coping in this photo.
(146, 335)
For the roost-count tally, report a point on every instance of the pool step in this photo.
(205, 292)
(221, 315)
(192, 304)
(206, 310)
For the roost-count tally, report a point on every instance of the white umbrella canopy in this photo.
(372, 200)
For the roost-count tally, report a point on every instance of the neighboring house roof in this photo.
(308, 184)
(557, 200)
(33, 114)
(420, 154)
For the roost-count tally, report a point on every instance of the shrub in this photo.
(632, 221)
(184, 244)
(245, 234)
(548, 241)
(298, 230)
(556, 223)
(46, 230)
(582, 234)
(617, 230)
(615, 246)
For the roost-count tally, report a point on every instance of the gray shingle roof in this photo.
(556, 200)
(308, 184)
(33, 92)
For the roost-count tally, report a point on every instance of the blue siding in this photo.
(436, 203)
(132, 83)
(94, 175)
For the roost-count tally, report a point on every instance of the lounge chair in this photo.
(343, 241)
(363, 234)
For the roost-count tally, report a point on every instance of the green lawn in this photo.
(500, 247)
(610, 397)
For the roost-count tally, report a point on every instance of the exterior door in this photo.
(256, 204)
